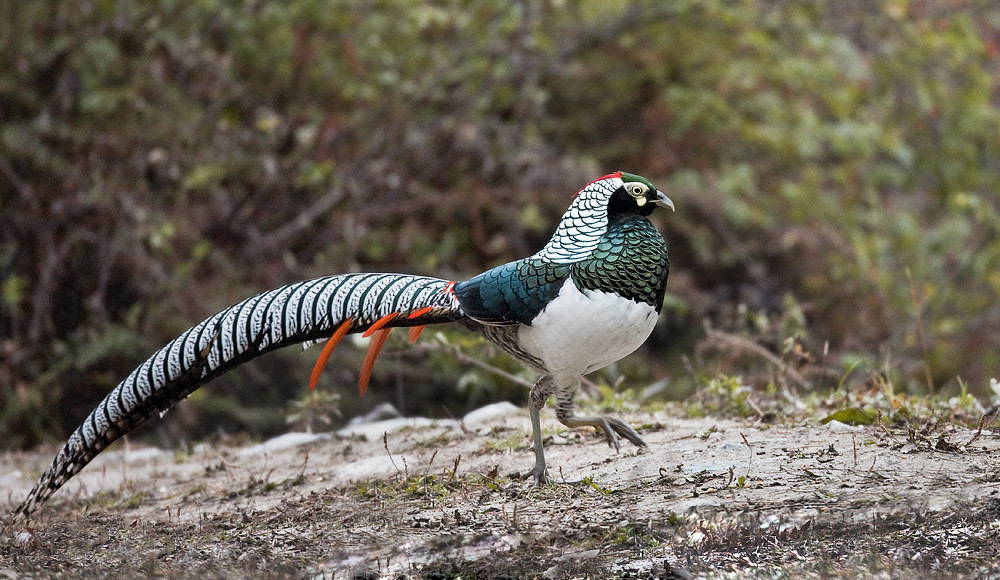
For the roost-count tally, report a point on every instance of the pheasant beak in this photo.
(664, 201)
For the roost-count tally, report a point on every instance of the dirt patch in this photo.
(711, 498)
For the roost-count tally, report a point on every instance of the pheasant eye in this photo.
(637, 190)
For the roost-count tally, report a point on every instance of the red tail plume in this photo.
(415, 332)
(327, 351)
(379, 324)
(373, 349)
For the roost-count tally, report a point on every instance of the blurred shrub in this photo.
(833, 163)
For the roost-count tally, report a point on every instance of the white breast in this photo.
(580, 332)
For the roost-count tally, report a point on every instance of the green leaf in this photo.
(852, 416)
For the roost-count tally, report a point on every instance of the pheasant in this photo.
(590, 297)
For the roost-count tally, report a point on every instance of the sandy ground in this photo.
(418, 498)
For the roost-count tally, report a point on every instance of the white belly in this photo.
(580, 332)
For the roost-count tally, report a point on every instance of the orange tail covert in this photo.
(378, 339)
(324, 356)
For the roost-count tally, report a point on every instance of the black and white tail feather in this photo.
(304, 312)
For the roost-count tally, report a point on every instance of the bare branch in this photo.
(726, 339)
(277, 238)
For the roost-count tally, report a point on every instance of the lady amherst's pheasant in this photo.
(590, 297)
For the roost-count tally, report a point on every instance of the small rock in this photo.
(494, 411)
(835, 425)
(380, 412)
(286, 441)
(374, 431)
(26, 541)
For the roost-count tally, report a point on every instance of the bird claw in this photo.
(610, 433)
(542, 479)
(540, 476)
(612, 427)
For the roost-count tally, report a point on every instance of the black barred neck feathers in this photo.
(601, 200)
(583, 224)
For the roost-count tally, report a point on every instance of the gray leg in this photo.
(539, 394)
(611, 426)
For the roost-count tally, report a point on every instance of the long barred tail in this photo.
(305, 311)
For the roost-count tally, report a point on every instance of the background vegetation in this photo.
(835, 167)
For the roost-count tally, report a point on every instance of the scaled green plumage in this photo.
(631, 261)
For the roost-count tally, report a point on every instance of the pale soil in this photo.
(815, 501)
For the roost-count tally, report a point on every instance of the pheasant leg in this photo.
(612, 426)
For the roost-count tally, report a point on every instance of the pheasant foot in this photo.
(612, 427)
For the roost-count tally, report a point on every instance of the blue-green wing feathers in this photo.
(513, 293)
